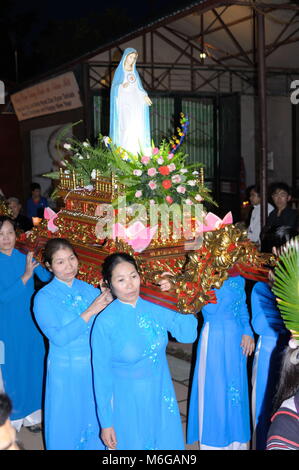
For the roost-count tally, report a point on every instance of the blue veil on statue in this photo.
(129, 111)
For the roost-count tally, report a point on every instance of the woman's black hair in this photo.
(5, 408)
(5, 218)
(111, 262)
(289, 377)
(53, 245)
(276, 236)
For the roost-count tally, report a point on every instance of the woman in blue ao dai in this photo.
(273, 338)
(136, 402)
(65, 310)
(22, 364)
(219, 405)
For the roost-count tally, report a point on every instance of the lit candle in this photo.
(36, 221)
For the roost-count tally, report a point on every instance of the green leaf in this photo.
(286, 285)
(54, 175)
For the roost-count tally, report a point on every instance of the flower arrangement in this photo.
(156, 177)
(85, 159)
(163, 177)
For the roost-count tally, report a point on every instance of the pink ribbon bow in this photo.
(213, 222)
(136, 235)
(50, 216)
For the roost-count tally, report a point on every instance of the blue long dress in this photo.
(273, 338)
(129, 114)
(24, 350)
(133, 386)
(70, 412)
(219, 406)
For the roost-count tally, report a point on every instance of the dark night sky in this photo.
(42, 45)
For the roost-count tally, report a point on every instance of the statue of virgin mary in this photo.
(129, 107)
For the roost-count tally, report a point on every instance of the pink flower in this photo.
(181, 189)
(169, 199)
(152, 202)
(151, 171)
(170, 156)
(160, 161)
(176, 178)
(145, 159)
(188, 202)
(137, 172)
(171, 167)
(152, 185)
(198, 198)
(138, 194)
(155, 150)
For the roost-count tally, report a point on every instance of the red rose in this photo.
(166, 184)
(164, 170)
(169, 199)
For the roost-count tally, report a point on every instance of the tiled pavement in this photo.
(180, 372)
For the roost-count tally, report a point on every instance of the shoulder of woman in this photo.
(46, 291)
(259, 286)
(153, 308)
(86, 285)
(105, 322)
(238, 281)
(109, 315)
(18, 253)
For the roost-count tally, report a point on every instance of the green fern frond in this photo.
(286, 285)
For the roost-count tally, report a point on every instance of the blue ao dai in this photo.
(21, 343)
(70, 413)
(273, 338)
(133, 386)
(219, 405)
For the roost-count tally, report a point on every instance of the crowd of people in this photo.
(106, 379)
(34, 207)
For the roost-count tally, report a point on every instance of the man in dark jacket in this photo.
(282, 214)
